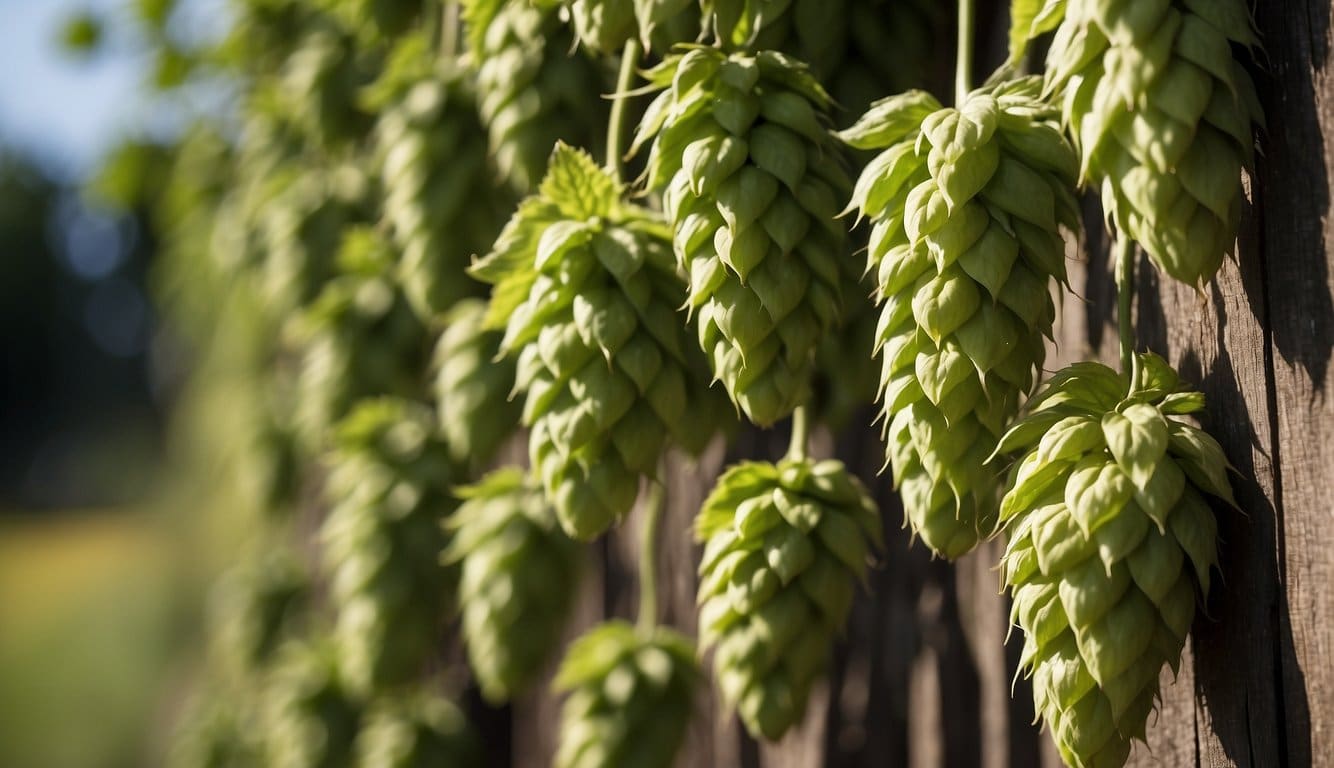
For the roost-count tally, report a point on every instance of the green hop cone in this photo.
(752, 184)
(603, 26)
(518, 575)
(533, 90)
(1110, 539)
(440, 194)
(213, 734)
(1162, 113)
(318, 83)
(784, 546)
(256, 606)
(389, 486)
(587, 291)
(472, 386)
(416, 730)
(310, 717)
(966, 206)
(362, 339)
(630, 698)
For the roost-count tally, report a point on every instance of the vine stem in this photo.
(963, 67)
(449, 29)
(616, 122)
(801, 433)
(1125, 298)
(648, 550)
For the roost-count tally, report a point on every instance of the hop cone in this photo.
(1162, 113)
(1109, 537)
(784, 546)
(300, 229)
(588, 291)
(318, 83)
(603, 26)
(257, 606)
(630, 696)
(310, 716)
(966, 205)
(416, 731)
(518, 576)
(752, 187)
(363, 340)
(532, 91)
(472, 387)
(440, 198)
(213, 735)
(389, 485)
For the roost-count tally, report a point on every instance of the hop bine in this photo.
(587, 292)
(472, 387)
(417, 730)
(783, 548)
(389, 486)
(519, 573)
(630, 695)
(752, 183)
(440, 198)
(1110, 537)
(1163, 115)
(966, 206)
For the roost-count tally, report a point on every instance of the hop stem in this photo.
(449, 29)
(1125, 297)
(801, 431)
(616, 122)
(648, 543)
(963, 68)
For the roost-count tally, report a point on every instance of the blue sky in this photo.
(65, 110)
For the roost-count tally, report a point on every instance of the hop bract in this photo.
(389, 486)
(519, 573)
(472, 386)
(416, 730)
(587, 292)
(1163, 115)
(752, 185)
(966, 206)
(629, 701)
(1110, 540)
(784, 546)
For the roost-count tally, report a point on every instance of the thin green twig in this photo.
(963, 67)
(1125, 299)
(616, 123)
(801, 433)
(648, 561)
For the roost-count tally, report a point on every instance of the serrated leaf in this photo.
(577, 185)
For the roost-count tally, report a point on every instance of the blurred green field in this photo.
(90, 622)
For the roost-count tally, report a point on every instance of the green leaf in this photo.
(577, 185)
(1030, 19)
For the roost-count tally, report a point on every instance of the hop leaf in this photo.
(629, 698)
(1163, 116)
(587, 291)
(1110, 538)
(965, 206)
(519, 573)
(784, 547)
(751, 180)
(389, 486)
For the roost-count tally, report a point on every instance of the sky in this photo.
(65, 110)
